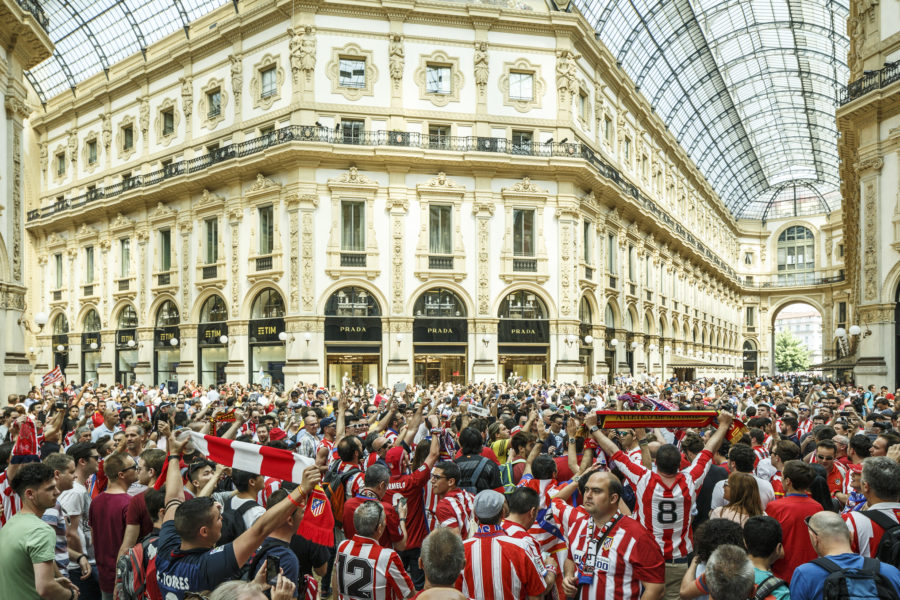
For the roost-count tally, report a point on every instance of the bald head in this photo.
(110, 417)
(830, 528)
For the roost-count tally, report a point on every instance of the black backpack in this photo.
(233, 521)
(889, 546)
(470, 484)
(863, 583)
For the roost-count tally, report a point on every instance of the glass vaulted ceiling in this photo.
(92, 35)
(748, 87)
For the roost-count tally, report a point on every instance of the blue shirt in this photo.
(287, 560)
(809, 579)
(179, 571)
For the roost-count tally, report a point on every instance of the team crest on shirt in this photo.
(607, 543)
(317, 506)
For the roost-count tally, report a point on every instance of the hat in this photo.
(276, 434)
(394, 460)
(488, 504)
(199, 464)
(327, 422)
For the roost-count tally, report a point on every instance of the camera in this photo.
(60, 405)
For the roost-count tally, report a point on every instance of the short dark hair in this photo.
(543, 467)
(31, 476)
(791, 422)
(191, 515)
(692, 443)
(861, 444)
(713, 533)
(743, 457)
(786, 450)
(470, 441)
(521, 440)
(827, 444)
(81, 451)
(58, 461)
(242, 479)
(154, 458)
(522, 500)
(758, 435)
(761, 535)
(800, 473)
(155, 500)
(668, 459)
(450, 470)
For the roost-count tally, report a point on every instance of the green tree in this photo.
(790, 353)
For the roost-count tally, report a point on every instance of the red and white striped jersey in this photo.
(777, 485)
(367, 571)
(310, 587)
(326, 443)
(431, 502)
(455, 509)
(272, 484)
(635, 455)
(10, 503)
(628, 555)
(804, 428)
(514, 530)
(541, 531)
(500, 567)
(665, 511)
(865, 534)
(761, 454)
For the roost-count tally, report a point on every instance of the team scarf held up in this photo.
(616, 419)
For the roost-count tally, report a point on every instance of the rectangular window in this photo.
(127, 137)
(124, 257)
(582, 106)
(842, 313)
(748, 258)
(521, 86)
(647, 271)
(352, 72)
(751, 316)
(645, 167)
(212, 241)
(841, 250)
(266, 230)
(523, 232)
(440, 229)
(58, 263)
(353, 226)
(588, 245)
(439, 136)
(437, 79)
(268, 82)
(353, 131)
(92, 152)
(89, 264)
(630, 263)
(608, 129)
(165, 249)
(626, 150)
(60, 164)
(213, 103)
(611, 254)
(168, 121)
(521, 142)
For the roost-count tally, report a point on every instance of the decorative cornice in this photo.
(353, 177)
(525, 186)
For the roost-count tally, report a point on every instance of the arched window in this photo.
(214, 310)
(440, 302)
(60, 325)
(522, 304)
(584, 312)
(352, 301)
(609, 318)
(629, 321)
(92, 322)
(796, 252)
(749, 345)
(268, 304)
(167, 315)
(127, 318)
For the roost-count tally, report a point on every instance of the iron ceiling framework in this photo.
(748, 88)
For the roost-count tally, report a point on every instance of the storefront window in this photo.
(352, 338)
(212, 350)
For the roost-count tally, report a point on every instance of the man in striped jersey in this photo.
(881, 487)
(610, 556)
(665, 498)
(524, 504)
(498, 566)
(442, 560)
(364, 570)
(454, 507)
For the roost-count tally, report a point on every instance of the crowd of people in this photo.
(753, 488)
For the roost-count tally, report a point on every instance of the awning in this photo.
(837, 364)
(684, 362)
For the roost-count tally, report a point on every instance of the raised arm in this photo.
(715, 441)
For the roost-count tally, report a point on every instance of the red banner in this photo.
(614, 419)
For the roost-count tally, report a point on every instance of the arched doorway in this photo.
(90, 346)
(166, 353)
(797, 323)
(126, 345)
(212, 341)
(630, 343)
(524, 337)
(266, 339)
(609, 320)
(440, 338)
(352, 338)
(750, 358)
(61, 342)
(585, 339)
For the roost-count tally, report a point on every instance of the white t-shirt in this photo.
(77, 502)
(766, 493)
(252, 514)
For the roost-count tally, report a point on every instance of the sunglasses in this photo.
(806, 520)
(820, 457)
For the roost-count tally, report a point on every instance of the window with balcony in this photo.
(165, 250)
(796, 255)
(268, 78)
(168, 121)
(523, 232)
(842, 314)
(439, 136)
(212, 241)
(58, 268)
(626, 150)
(588, 242)
(353, 130)
(437, 79)
(60, 164)
(266, 230)
(750, 316)
(611, 260)
(521, 141)
(89, 264)
(214, 103)
(440, 229)
(608, 130)
(92, 152)
(353, 238)
(521, 86)
(124, 257)
(352, 72)
(127, 137)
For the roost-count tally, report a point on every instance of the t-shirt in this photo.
(77, 503)
(790, 512)
(782, 592)
(392, 532)
(137, 514)
(310, 554)
(809, 579)
(25, 540)
(179, 571)
(412, 487)
(252, 514)
(272, 548)
(56, 518)
(107, 517)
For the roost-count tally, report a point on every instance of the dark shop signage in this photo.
(209, 333)
(266, 330)
(123, 336)
(163, 336)
(523, 331)
(353, 329)
(440, 330)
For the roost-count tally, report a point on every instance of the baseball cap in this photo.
(394, 460)
(326, 422)
(488, 504)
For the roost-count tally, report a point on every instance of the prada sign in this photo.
(523, 331)
(163, 336)
(353, 329)
(209, 333)
(123, 336)
(266, 330)
(440, 330)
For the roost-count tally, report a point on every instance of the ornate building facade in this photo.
(435, 192)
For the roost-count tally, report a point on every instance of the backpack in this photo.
(336, 490)
(136, 572)
(769, 585)
(855, 583)
(233, 521)
(470, 484)
(507, 476)
(889, 546)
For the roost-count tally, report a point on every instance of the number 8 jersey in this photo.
(367, 571)
(665, 511)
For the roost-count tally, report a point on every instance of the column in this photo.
(485, 324)
(186, 368)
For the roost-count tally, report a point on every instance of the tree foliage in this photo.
(791, 354)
